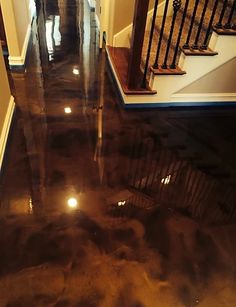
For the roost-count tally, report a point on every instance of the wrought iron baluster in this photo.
(209, 29)
(219, 23)
(155, 65)
(150, 43)
(186, 45)
(173, 64)
(228, 23)
(176, 7)
(195, 45)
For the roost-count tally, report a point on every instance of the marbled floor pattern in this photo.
(154, 223)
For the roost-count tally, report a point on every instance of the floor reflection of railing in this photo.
(159, 173)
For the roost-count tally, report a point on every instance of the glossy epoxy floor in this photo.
(155, 190)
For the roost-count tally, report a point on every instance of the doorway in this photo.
(3, 38)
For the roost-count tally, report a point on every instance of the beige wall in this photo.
(97, 8)
(10, 27)
(220, 80)
(22, 20)
(5, 93)
(16, 18)
(123, 13)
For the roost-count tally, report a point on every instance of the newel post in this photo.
(139, 24)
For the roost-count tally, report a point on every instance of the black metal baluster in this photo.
(186, 45)
(209, 29)
(150, 43)
(176, 7)
(195, 45)
(155, 65)
(228, 23)
(219, 23)
(173, 64)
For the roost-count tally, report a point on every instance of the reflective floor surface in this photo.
(102, 206)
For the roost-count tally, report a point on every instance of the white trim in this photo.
(32, 9)
(20, 60)
(92, 3)
(97, 21)
(6, 128)
(203, 97)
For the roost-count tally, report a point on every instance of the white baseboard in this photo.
(204, 97)
(32, 9)
(20, 60)
(6, 127)
(97, 21)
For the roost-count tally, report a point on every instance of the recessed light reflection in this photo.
(76, 71)
(67, 110)
(72, 202)
(121, 203)
(30, 210)
(166, 180)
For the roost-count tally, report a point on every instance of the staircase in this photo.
(184, 43)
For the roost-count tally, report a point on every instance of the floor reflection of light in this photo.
(166, 180)
(56, 32)
(49, 36)
(67, 110)
(121, 203)
(30, 206)
(72, 202)
(53, 35)
(76, 71)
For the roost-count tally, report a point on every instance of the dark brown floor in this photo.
(154, 223)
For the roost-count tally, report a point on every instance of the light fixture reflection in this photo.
(166, 180)
(76, 71)
(121, 203)
(72, 202)
(67, 110)
(30, 210)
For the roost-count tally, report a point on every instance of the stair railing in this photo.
(176, 7)
(196, 42)
(150, 43)
(173, 64)
(209, 29)
(156, 65)
(187, 45)
(191, 34)
(219, 24)
(229, 24)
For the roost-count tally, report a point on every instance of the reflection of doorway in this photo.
(2, 32)
(98, 19)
